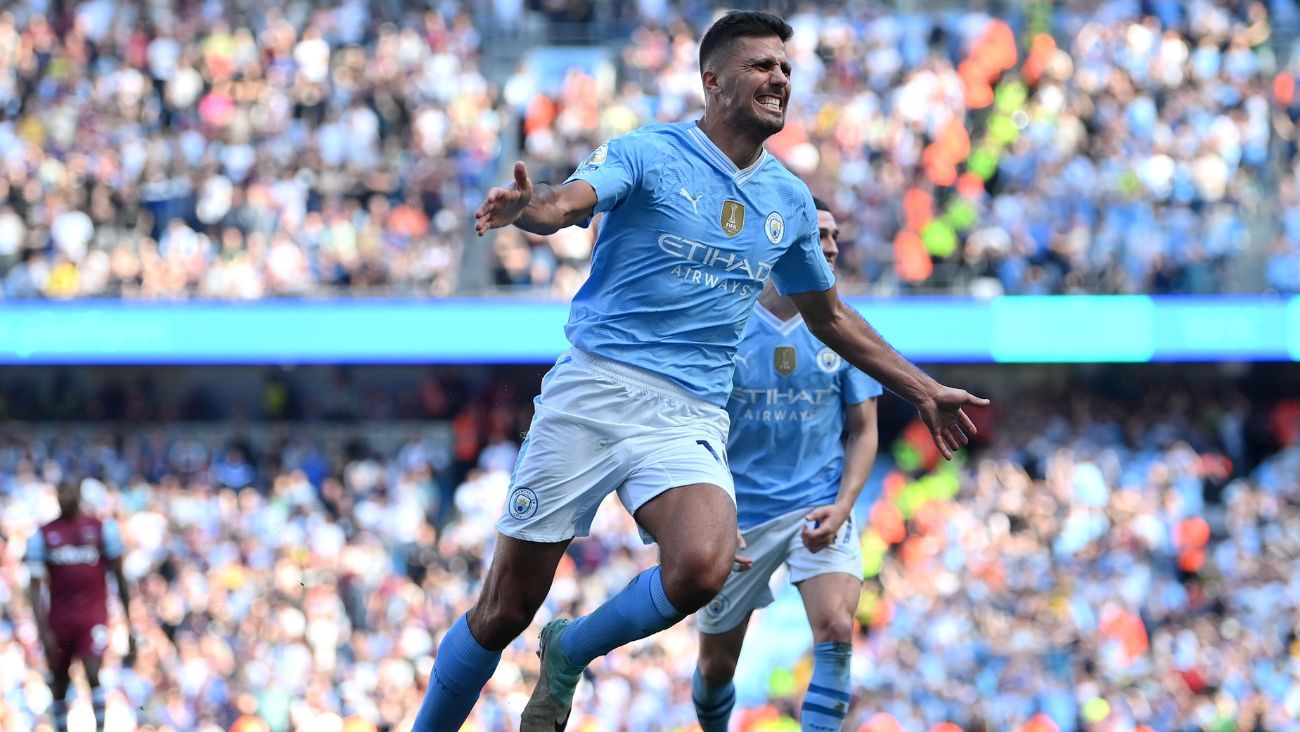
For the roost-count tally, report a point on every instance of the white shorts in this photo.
(601, 426)
(770, 545)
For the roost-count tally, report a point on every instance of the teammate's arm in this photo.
(536, 208)
(840, 327)
(861, 439)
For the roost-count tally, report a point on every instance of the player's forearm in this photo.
(36, 596)
(859, 455)
(853, 338)
(546, 213)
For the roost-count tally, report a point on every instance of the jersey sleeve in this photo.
(803, 267)
(112, 536)
(613, 170)
(35, 556)
(857, 387)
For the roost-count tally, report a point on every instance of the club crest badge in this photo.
(784, 360)
(733, 217)
(828, 361)
(523, 503)
(774, 227)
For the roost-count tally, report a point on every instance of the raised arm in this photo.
(536, 208)
(840, 327)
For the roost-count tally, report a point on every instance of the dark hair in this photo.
(821, 205)
(740, 24)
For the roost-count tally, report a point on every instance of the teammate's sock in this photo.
(98, 698)
(713, 704)
(460, 670)
(638, 611)
(59, 715)
(827, 701)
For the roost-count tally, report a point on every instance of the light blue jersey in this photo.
(687, 242)
(787, 416)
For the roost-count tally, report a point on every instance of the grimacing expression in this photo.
(753, 80)
(830, 236)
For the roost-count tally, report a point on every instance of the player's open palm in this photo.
(503, 205)
(944, 413)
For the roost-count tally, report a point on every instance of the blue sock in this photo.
(638, 611)
(713, 704)
(98, 697)
(59, 714)
(459, 673)
(827, 701)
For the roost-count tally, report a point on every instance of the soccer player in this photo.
(72, 554)
(698, 216)
(796, 484)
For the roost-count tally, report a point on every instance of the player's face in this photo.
(830, 232)
(755, 84)
(69, 496)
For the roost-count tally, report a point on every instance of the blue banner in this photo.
(519, 330)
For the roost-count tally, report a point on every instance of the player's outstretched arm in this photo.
(840, 327)
(536, 208)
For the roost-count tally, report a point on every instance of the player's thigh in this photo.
(830, 580)
(696, 520)
(679, 488)
(745, 592)
(831, 601)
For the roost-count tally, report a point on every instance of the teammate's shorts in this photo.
(770, 545)
(80, 640)
(601, 426)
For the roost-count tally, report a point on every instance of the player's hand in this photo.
(503, 205)
(743, 563)
(826, 523)
(942, 412)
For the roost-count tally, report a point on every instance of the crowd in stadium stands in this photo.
(153, 150)
(1098, 567)
(158, 150)
(1134, 160)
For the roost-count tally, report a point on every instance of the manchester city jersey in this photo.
(687, 242)
(787, 416)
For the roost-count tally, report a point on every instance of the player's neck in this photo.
(777, 304)
(740, 148)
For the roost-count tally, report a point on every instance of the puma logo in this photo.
(695, 200)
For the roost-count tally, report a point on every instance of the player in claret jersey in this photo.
(71, 556)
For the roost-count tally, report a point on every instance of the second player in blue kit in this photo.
(796, 484)
(698, 218)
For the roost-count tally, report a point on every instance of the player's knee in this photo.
(837, 629)
(717, 669)
(695, 577)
